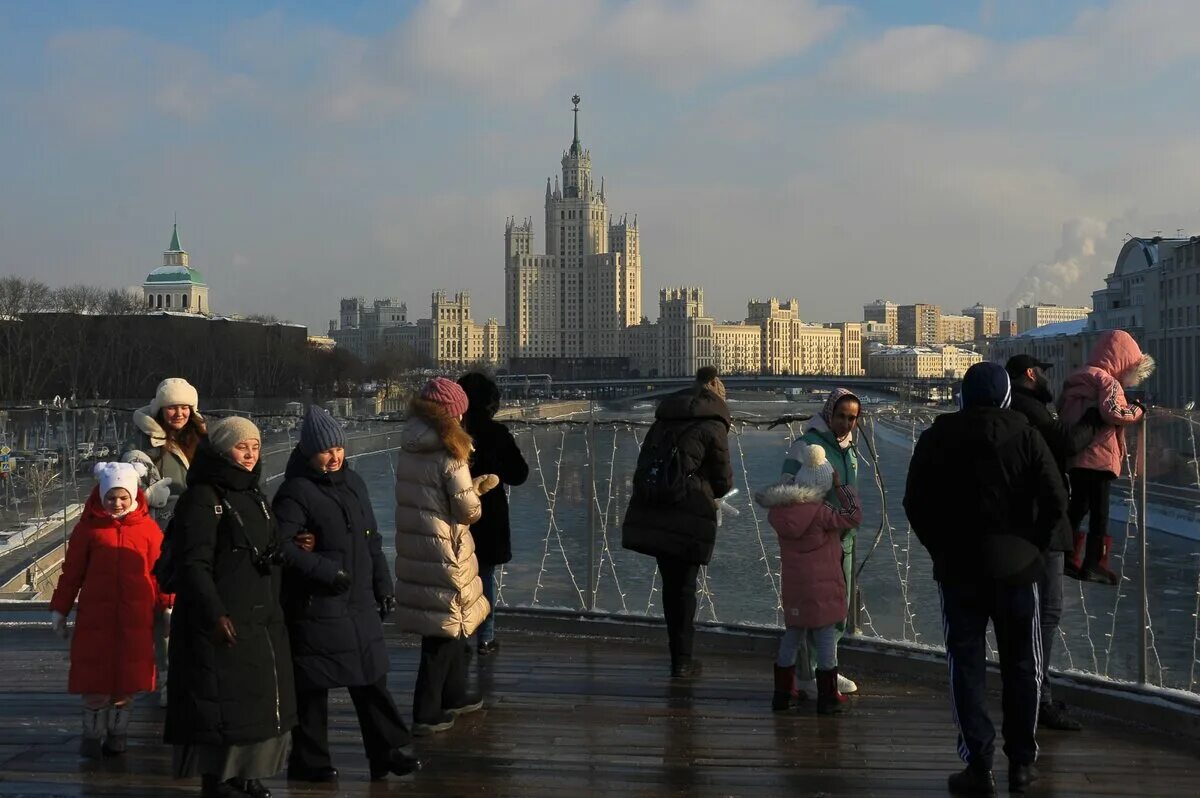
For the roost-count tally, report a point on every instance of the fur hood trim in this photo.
(147, 423)
(786, 494)
(1139, 373)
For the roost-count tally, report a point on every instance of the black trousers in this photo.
(679, 605)
(379, 721)
(441, 678)
(1089, 496)
(1050, 605)
(1014, 613)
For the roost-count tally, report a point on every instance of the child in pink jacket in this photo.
(1116, 362)
(814, 588)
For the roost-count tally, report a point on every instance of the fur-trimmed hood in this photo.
(785, 493)
(1116, 353)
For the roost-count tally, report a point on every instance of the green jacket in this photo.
(844, 462)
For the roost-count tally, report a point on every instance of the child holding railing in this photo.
(814, 587)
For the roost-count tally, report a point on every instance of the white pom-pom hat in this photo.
(119, 475)
(815, 470)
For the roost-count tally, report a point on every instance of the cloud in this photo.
(1085, 247)
(1127, 39)
(912, 60)
(521, 49)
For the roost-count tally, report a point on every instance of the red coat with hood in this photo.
(810, 546)
(1116, 362)
(108, 567)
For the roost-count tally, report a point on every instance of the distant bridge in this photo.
(650, 387)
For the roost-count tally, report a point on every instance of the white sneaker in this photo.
(845, 686)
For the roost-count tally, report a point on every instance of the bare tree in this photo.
(39, 480)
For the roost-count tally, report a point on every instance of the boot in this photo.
(972, 780)
(1072, 564)
(94, 723)
(397, 762)
(1021, 776)
(118, 729)
(685, 668)
(829, 700)
(212, 787)
(1095, 564)
(784, 684)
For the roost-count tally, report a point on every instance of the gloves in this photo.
(485, 482)
(58, 622)
(341, 583)
(159, 493)
(386, 605)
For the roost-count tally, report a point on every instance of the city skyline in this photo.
(839, 154)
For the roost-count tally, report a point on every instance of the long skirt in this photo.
(260, 760)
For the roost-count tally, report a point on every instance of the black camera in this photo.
(264, 561)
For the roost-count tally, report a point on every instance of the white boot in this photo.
(846, 686)
(94, 723)
(118, 728)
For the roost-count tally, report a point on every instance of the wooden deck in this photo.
(590, 715)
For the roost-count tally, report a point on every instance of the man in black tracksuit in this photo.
(984, 496)
(1031, 397)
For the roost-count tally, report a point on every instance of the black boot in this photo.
(1021, 776)
(325, 775)
(213, 787)
(1055, 715)
(685, 668)
(972, 780)
(829, 700)
(397, 762)
(785, 679)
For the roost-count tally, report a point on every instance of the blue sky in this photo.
(938, 151)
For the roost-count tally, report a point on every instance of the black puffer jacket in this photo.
(984, 496)
(496, 452)
(227, 695)
(1065, 441)
(337, 640)
(685, 531)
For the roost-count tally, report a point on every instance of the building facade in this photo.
(987, 320)
(1039, 315)
(919, 324)
(737, 348)
(175, 285)
(956, 329)
(920, 362)
(576, 299)
(883, 312)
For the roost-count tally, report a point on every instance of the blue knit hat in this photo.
(320, 432)
(986, 385)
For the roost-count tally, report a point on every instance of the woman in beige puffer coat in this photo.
(438, 592)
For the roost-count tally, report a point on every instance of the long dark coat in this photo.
(227, 695)
(685, 531)
(496, 452)
(337, 640)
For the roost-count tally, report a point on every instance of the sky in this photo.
(928, 150)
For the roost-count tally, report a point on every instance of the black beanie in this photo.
(986, 385)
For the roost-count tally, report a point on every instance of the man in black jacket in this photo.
(1031, 398)
(690, 440)
(984, 497)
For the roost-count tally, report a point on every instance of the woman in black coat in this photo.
(232, 701)
(336, 593)
(496, 452)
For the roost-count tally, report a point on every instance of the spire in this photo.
(576, 149)
(174, 247)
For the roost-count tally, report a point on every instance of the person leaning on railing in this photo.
(682, 469)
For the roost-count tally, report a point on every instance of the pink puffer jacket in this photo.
(814, 588)
(1115, 361)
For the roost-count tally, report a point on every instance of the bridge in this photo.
(651, 387)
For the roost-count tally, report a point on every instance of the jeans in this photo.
(441, 678)
(679, 605)
(1050, 592)
(1013, 611)
(378, 718)
(826, 641)
(487, 630)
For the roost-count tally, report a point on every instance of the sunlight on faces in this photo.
(329, 460)
(177, 416)
(245, 453)
(117, 501)
(845, 418)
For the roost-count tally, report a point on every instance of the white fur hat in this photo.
(174, 391)
(815, 470)
(119, 475)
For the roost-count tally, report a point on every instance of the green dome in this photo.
(175, 274)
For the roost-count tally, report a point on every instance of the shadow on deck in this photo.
(596, 714)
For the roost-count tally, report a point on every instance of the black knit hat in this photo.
(320, 432)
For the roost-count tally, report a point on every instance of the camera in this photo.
(273, 556)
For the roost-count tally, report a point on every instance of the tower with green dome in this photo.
(176, 286)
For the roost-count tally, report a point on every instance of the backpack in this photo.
(166, 569)
(663, 479)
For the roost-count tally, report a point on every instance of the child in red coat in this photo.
(814, 587)
(1116, 362)
(108, 566)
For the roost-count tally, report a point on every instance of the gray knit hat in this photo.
(320, 432)
(226, 433)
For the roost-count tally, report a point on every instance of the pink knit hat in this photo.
(447, 393)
